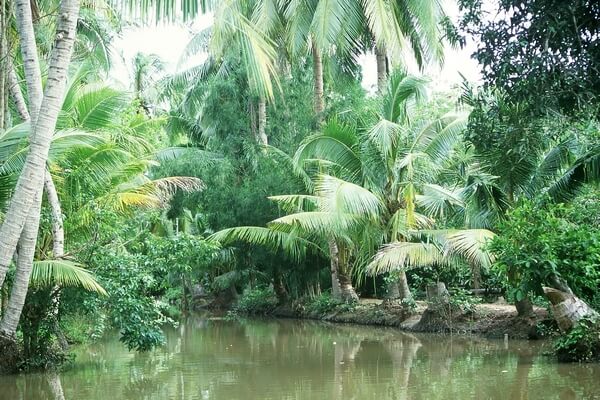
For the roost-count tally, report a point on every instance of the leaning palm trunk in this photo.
(319, 102)
(26, 252)
(32, 177)
(15, 92)
(58, 233)
(567, 308)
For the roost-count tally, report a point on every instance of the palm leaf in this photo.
(404, 255)
(64, 273)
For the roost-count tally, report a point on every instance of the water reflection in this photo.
(212, 359)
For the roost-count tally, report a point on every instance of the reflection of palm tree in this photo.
(55, 385)
(403, 350)
(345, 351)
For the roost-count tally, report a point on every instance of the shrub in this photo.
(257, 301)
(582, 343)
(539, 243)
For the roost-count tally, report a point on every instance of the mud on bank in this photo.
(486, 320)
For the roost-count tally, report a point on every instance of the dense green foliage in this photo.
(540, 52)
(537, 246)
(262, 177)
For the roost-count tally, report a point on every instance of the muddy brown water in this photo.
(287, 359)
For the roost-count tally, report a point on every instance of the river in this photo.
(288, 359)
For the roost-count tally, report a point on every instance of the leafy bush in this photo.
(464, 300)
(258, 301)
(538, 244)
(324, 304)
(582, 343)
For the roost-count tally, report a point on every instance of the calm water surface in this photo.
(284, 359)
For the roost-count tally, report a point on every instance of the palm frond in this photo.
(584, 170)
(340, 196)
(404, 255)
(288, 242)
(64, 273)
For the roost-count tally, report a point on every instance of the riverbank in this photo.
(489, 320)
(486, 320)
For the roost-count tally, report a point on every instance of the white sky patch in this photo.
(169, 41)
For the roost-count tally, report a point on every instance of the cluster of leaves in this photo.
(147, 277)
(324, 304)
(582, 343)
(537, 245)
(541, 52)
(256, 301)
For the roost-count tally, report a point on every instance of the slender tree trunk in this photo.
(17, 95)
(10, 319)
(262, 121)
(58, 232)
(475, 276)
(32, 177)
(335, 261)
(31, 64)
(403, 286)
(382, 68)
(319, 102)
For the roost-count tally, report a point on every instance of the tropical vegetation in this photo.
(266, 176)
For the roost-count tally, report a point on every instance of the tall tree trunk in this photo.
(16, 94)
(403, 286)
(31, 64)
(10, 319)
(32, 177)
(319, 102)
(58, 232)
(4, 67)
(334, 260)
(475, 276)
(347, 292)
(262, 121)
(382, 68)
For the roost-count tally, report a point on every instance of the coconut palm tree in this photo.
(97, 151)
(24, 209)
(376, 193)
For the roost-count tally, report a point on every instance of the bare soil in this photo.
(486, 320)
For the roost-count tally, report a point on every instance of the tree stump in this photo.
(567, 308)
(437, 293)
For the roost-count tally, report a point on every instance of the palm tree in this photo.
(400, 161)
(115, 155)
(242, 33)
(24, 207)
(518, 159)
(145, 69)
(351, 27)
(372, 189)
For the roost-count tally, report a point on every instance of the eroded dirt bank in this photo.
(486, 320)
